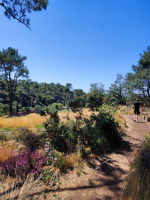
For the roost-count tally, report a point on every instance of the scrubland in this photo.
(17, 138)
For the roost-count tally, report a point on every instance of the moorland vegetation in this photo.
(72, 126)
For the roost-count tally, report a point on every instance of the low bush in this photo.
(100, 132)
(62, 136)
(33, 140)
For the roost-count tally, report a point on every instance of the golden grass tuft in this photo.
(72, 159)
(28, 121)
(121, 119)
(127, 110)
(7, 150)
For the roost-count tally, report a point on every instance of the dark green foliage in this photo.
(139, 80)
(38, 108)
(12, 67)
(117, 90)
(94, 102)
(4, 108)
(100, 132)
(61, 136)
(77, 105)
(18, 9)
(105, 131)
(34, 95)
(95, 96)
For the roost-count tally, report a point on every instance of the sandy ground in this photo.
(105, 176)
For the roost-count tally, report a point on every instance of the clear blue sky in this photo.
(80, 41)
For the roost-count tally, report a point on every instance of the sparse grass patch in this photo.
(122, 123)
(127, 110)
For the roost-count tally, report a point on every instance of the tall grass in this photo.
(121, 119)
(138, 181)
(63, 115)
(30, 121)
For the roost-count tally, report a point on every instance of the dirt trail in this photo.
(104, 180)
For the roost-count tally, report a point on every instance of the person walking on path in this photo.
(136, 106)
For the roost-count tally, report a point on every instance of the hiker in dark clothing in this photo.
(136, 106)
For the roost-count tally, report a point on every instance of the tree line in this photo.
(18, 93)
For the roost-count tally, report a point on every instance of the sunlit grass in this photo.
(121, 119)
(63, 115)
(30, 121)
(138, 181)
(127, 110)
(7, 150)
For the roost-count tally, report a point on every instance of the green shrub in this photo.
(31, 109)
(62, 136)
(100, 132)
(38, 108)
(4, 108)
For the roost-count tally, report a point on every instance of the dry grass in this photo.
(63, 115)
(7, 150)
(121, 119)
(138, 181)
(73, 161)
(30, 121)
(127, 110)
(139, 184)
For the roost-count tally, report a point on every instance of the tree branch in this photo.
(2, 4)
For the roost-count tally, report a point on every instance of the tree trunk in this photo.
(10, 103)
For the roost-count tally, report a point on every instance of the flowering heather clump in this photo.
(24, 163)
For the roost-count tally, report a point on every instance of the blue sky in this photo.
(80, 41)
